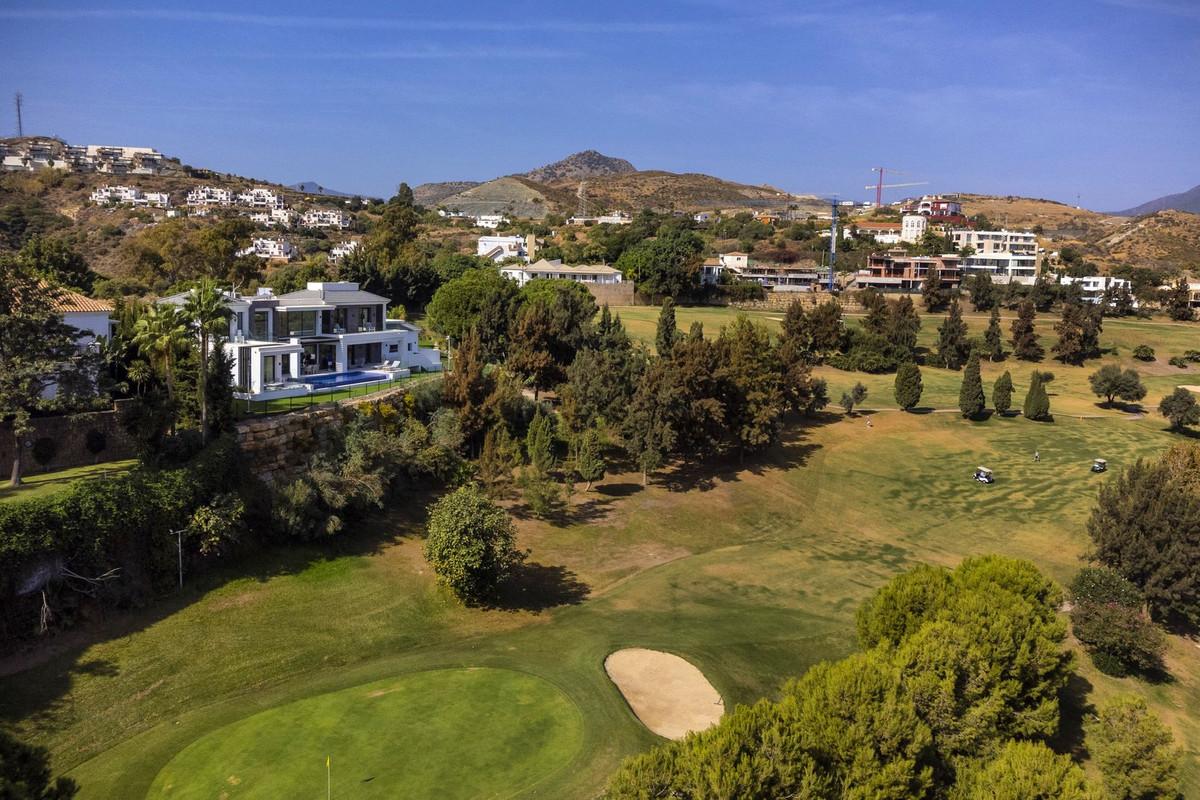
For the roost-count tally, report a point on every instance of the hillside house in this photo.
(1094, 286)
(800, 277)
(913, 227)
(882, 232)
(344, 249)
(270, 249)
(327, 334)
(325, 218)
(209, 196)
(276, 216)
(92, 319)
(34, 153)
(936, 208)
(498, 248)
(896, 271)
(492, 221)
(616, 218)
(597, 273)
(260, 198)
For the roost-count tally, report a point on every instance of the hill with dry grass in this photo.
(1166, 240)
(586, 164)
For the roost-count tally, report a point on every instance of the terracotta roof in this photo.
(66, 301)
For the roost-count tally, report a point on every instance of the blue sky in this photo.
(1093, 99)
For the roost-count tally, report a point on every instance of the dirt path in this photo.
(668, 694)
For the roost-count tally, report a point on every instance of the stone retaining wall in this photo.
(281, 447)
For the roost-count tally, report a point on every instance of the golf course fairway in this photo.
(444, 733)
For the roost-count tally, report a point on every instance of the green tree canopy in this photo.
(1024, 337)
(1180, 409)
(1002, 393)
(1134, 750)
(908, 385)
(1111, 382)
(1023, 771)
(25, 773)
(953, 343)
(1037, 401)
(471, 543)
(971, 400)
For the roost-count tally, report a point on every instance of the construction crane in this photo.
(880, 185)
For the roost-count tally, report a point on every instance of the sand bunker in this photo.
(669, 695)
(1191, 387)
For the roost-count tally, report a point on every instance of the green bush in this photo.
(1103, 585)
(44, 450)
(1178, 361)
(1143, 352)
(1119, 633)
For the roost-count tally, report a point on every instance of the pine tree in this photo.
(590, 462)
(1002, 393)
(539, 442)
(903, 324)
(971, 400)
(993, 339)
(908, 385)
(1024, 338)
(933, 292)
(1175, 301)
(1070, 347)
(953, 346)
(500, 455)
(667, 335)
(1037, 402)
(983, 294)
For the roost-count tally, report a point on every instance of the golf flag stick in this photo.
(328, 780)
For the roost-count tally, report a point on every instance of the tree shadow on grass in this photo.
(1074, 707)
(790, 452)
(536, 587)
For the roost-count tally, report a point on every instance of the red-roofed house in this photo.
(90, 316)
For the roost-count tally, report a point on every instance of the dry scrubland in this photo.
(752, 574)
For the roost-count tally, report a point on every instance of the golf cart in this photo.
(1099, 465)
(984, 475)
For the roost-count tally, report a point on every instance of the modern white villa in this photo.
(329, 334)
(93, 318)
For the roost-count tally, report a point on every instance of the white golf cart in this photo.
(984, 475)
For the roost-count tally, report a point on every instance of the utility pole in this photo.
(20, 130)
(179, 534)
(833, 237)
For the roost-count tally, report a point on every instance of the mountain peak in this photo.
(1184, 201)
(584, 164)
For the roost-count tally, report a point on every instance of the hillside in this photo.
(511, 195)
(1166, 239)
(315, 189)
(432, 194)
(586, 164)
(1184, 201)
(1058, 220)
(667, 191)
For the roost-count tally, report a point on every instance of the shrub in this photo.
(44, 450)
(1121, 633)
(471, 544)
(1143, 352)
(1178, 361)
(1192, 355)
(95, 442)
(1104, 585)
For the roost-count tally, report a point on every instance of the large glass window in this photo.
(258, 326)
(300, 323)
(268, 369)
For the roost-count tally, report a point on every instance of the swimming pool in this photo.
(345, 378)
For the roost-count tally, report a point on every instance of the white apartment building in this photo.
(118, 194)
(597, 273)
(209, 196)
(30, 155)
(1094, 286)
(490, 220)
(325, 218)
(276, 216)
(131, 196)
(1008, 256)
(340, 251)
(260, 198)
(913, 227)
(498, 248)
(270, 249)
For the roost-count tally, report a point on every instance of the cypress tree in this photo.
(667, 334)
(590, 462)
(539, 442)
(932, 292)
(1037, 402)
(993, 338)
(971, 400)
(953, 346)
(1024, 338)
(1002, 393)
(908, 385)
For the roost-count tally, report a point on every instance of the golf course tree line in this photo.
(25, 773)
(954, 694)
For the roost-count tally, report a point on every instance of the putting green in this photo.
(445, 733)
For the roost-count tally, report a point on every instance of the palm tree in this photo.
(205, 309)
(161, 331)
(139, 373)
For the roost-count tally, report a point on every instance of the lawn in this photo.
(751, 572)
(506, 729)
(47, 483)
